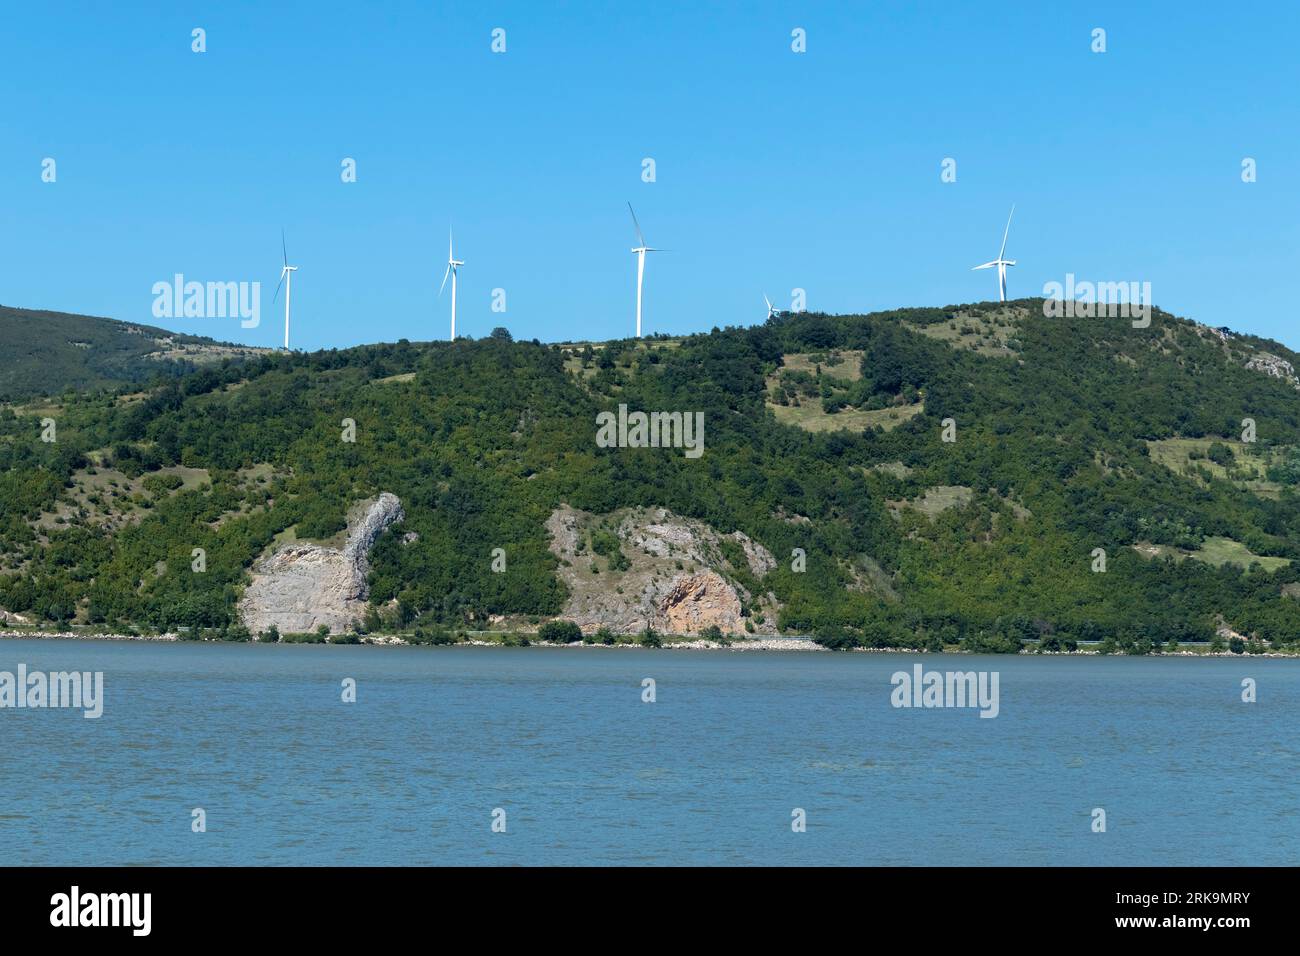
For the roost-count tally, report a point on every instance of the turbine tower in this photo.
(640, 251)
(1000, 262)
(452, 265)
(286, 280)
(771, 309)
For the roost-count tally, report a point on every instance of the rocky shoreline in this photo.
(801, 644)
(772, 644)
(74, 636)
(737, 644)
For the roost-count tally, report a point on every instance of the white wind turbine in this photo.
(639, 252)
(286, 280)
(452, 265)
(771, 309)
(1000, 262)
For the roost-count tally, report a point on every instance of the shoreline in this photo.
(798, 645)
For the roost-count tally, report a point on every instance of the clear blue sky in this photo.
(775, 170)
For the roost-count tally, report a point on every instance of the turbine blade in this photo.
(1006, 231)
(640, 238)
(274, 298)
(987, 265)
(444, 279)
(284, 250)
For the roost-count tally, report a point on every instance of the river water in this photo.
(558, 745)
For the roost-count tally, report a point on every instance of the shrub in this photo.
(441, 636)
(1219, 453)
(836, 639)
(559, 632)
(159, 485)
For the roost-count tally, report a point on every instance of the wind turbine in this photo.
(639, 252)
(286, 280)
(452, 264)
(1000, 262)
(771, 309)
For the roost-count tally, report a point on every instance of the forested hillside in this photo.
(46, 353)
(824, 436)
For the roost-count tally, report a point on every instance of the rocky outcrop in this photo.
(674, 576)
(699, 601)
(302, 586)
(1226, 633)
(1275, 367)
(668, 536)
(366, 529)
(758, 558)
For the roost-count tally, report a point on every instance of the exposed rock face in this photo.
(1226, 633)
(677, 581)
(760, 559)
(669, 536)
(699, 600)
(302, 586)
(1275, 366)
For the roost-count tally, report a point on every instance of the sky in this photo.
(774, 169)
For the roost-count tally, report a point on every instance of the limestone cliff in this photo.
(302, 586)
(670, 573)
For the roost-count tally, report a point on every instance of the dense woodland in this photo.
(481, 440)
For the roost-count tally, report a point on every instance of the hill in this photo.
(46, 353)
(978, 476)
